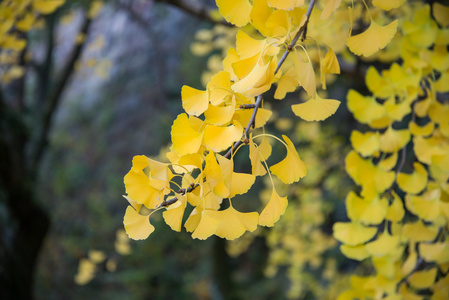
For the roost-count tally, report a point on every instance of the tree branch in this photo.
(55, 98)
(194, 9)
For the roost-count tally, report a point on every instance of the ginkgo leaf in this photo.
(393, 140)
(274, 209)
(137, 227)
(316, 109)
(138, 186)
(236, 12)
(291, 168)
(373, 39)
(422, 279)
(220, 115)
(425, 130)
(193, 220)
(305, 75)
(419, 232)
(212, 170)
(185, 139)
(366, 211)
(219, 87)
(436, 252)
(413, 183)
(390, 162)
(427, 208)
(367, 144)
(364, 109)
(287, 83)
(256, 158)
(358, 252)
(388, 4)
(241, 183)
(218, 138)
(441, 13)
(264, 149)
(174, 213)
(207, 226)
(384, 244)
(228, 61)
(47, 6)
(247, 47)
(353, 233)
(396, 209)
(194, 101)
(233, 223)
(244, 116)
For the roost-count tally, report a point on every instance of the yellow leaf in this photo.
(257, 168)
(194, 101)
(47, 6)
(367, 144)
(396, 209)
(394, 140)
(95, 9)
(233, 223)
(355, 252)
(235, 11)
(247, 47)
(305, 75)
(287, 83)
(422, 279)
(220, 115)
(228, 61)
(419, 232)
(219, 87)
(137, 227)
(185, 139)
(438, 112)
(373, 39)
(384, 244)
(366, 211)
(244, 116)
(364, 109)
(390, 162)
(441, 13)
(138, 186)
(353, 233)
(26, 22)
(316, 109)
(291, 168)
(388, 4)
(273, 210)
(425, 130)
(174, 213)
(427, 207)
(218, 138)
(264, 149)
(436, 252)
(241, 183)
(413, 183)
(207, 226)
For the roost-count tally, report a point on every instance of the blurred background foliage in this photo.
(120, 102)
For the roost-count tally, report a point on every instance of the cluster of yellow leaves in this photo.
(18, 17)
(400, 218)
(215, 119)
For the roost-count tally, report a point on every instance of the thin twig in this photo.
(182, 192)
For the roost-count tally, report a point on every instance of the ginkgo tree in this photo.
(399, 215)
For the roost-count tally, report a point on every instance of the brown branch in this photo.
(195, 9)
(55, 98)
(300, 32)
(182, 192)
